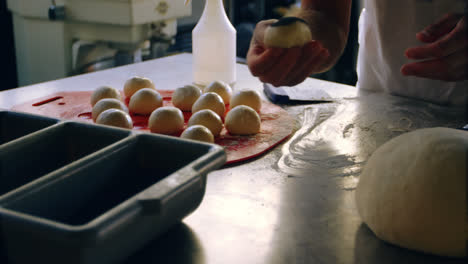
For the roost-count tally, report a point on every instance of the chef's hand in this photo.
(280, 66)
(445, 56)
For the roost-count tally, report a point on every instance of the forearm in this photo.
(329, 23)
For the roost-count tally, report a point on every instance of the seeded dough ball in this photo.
(198, 132)
(166, 120)
(288, 32)
(246, 97)
(115, 117)
(412, 191)
(210, 101)
(107, 103)
(184, 97)
(145, 101)
(104, 92)
(242, 120)
(209, 119)
(221, 88)
(136, 83)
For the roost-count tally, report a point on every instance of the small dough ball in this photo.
(115, 117)
(166, 120)
(246, 97)
(145, 101)
(288, 32)
(412, 191)
(107, 103)
(136, 83)
(221, 88)
(184, 97)
(198, 132)
(210, 101)
(209, 119)
(104, 92)
(242, 120)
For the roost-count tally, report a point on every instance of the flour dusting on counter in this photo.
(338, 138)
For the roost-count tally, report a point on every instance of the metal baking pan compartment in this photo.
(38, 154)
(15, 125)
(107, 209)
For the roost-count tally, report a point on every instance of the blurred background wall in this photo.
(244, 14)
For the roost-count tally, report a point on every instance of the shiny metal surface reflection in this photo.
(296, 204)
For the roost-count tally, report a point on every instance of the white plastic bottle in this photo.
(214, 46)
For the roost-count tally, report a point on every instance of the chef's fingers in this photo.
(440, 28)
(321, 60)
(456, 40)
(259, 31)
(314, 60)
(256, 43)
(308, 53)
(280, 70)
(304, 66)
(260, 60)
(258, 56)
(451, 68)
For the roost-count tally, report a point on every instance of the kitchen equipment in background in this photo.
(56, 39)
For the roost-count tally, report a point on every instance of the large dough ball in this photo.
(246, 97)
(412, 192)
(104, 92)
(242, 120)
(107, 103)
(210, 101)
(184, 97)
(145, 101)
(136, 83)
(288, 32)
(115, 117)
(221, 88)
(167, 120)
(198, 132)
(209, 119)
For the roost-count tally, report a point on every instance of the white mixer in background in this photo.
(55, 39)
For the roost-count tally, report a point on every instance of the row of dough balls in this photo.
(111, 112)
(144, 99)
(208, 108)
(108, 109)
(205, 125)
(142, 94)
(215, 95)
(241, 120)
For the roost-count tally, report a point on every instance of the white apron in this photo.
(386, 29)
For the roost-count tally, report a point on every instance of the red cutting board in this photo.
(277, 124)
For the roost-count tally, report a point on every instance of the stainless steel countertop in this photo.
(295, 204)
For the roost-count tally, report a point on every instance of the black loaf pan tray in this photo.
(74, 192)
